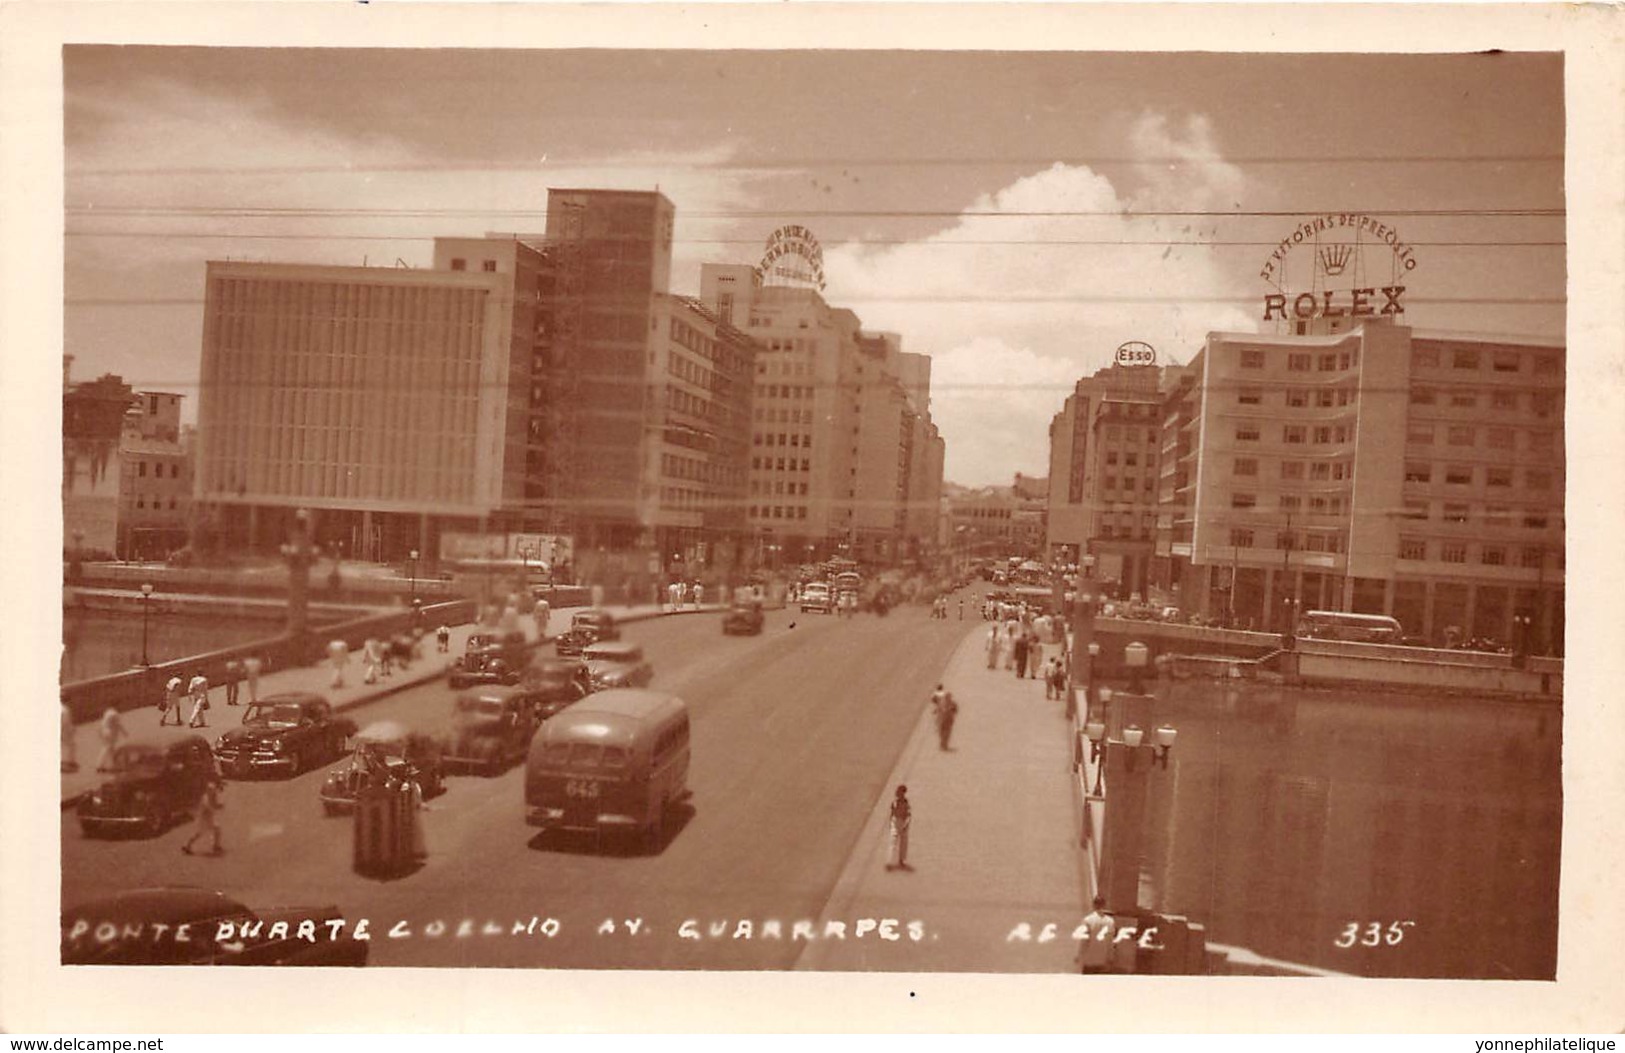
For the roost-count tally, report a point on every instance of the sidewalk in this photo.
(142, 724)
(993, 841)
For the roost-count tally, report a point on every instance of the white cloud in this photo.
(1043, 292)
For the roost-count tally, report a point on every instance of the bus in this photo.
(1360, 628)
(616, 760)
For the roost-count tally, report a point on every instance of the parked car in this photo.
(744, 619)
(617, 663)
(587, 627)
(153, 785)
(554, 683)
(491, 729)
(286, 732)
(187, 926)
(385, 752)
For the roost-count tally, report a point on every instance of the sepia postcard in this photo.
(823, 517)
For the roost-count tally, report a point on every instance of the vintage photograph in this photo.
(813, 510)
(586, 508)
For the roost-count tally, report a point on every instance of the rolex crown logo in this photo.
(1335, 258)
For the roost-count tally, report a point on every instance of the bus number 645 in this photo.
(581, 788)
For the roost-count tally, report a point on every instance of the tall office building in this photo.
(1380, 469)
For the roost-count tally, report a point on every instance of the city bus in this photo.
(1361, 628)
(616, 760)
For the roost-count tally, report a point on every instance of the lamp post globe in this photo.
(146, 600)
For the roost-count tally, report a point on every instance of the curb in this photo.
(72, 800)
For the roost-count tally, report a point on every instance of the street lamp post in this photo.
(412, 559)
(146, 601)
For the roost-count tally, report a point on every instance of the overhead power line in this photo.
(1062, 242)
(99, 301)
(811, 164)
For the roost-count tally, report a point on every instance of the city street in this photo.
(795, 733)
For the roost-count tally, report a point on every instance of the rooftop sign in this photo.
(792, 257)
(1336, 244)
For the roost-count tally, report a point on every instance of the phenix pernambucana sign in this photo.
(792, 257)
(1336, 240)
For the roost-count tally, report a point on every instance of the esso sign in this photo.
(1136, 353)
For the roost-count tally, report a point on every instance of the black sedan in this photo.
(743, 619)
(285, 733)
(194, 926)
(152, 787)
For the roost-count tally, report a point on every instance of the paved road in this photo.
(795, 734)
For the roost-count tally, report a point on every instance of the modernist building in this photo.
(1377, 469)
(518, 386)
(996, 522)
(126, 470)
(844, 457)
(1104, 456)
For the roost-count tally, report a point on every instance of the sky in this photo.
(1016, 216)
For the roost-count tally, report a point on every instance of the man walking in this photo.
(199, 690)
(172, 701)
(208, 819)
(1035, 655)
(993, 647)
(253, 666)
(1020, 649)
(945, 709)
(902, 816)
(112, 731)
(543, 613)
(234, 674)
(442, 639)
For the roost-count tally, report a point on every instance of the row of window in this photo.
(1491, 515)
(714, 351)
(781, 415)
(1296, 434)
(1299, 398)
(778, 512)
(1302, 361)
(780, 464)
(1423, 433)
(1291, 540)
(783, 391)
(1131, 483)
(1500, 360)
(778, 487)
(794, 438)
(1530, 557)
(1317, 471)
(684, 368)
(1131, 458)
(158, 469)
(683, 497)
(1117, 432)
(786, 343)
(1466, 475)
(157, 502)
(1541, 403)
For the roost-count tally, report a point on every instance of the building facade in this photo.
(1377, 469)
(1105, 447)
(126, 471)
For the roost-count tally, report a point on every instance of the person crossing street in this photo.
(901, 818)
(945, 710)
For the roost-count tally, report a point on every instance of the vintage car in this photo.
(490, 665)
(287, 732)
(554, 683)
(189, 926)
(153, 785)
(586, 627)
(617, 663)
(744, 619)
(490, 730)
(817, 596)
(385, 753)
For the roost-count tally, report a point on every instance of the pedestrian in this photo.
(699, 594)
(1020, 646)
(112, 731)
(442, 639)
(902, 816)
(1099, 932)
(946, 710)
(171, 702)
(1035, 655)
(961, 608)
(674, 595)
(253, 665)
(1009, 645)
(234, 675)
(198, 688)
(993, 647)
(543, 613)
(208, 819)
(70, 744)
(386, 657)
(338, 654)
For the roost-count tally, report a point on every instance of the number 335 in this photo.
(1373, 934)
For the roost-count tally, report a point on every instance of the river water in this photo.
(1285, 816)
(97, 643)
